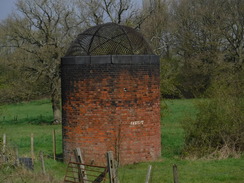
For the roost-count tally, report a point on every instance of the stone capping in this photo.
(111, 59)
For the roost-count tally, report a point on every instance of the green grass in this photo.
(198, 171)
(19, 136)
(173, 111)
(34, 112)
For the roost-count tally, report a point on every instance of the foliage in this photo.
(218, 129)
(198, 37)
(38, 35)
(169, 78)
(15, 87)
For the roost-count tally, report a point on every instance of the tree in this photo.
(156, 26)
(14, 87)
(196, 43)
(232, 30)
(96, 12)
(207, 34)
(43, 30)
(210, 44)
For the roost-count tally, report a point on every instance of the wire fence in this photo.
(31, 145)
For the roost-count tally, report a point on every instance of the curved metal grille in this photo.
(109, 39)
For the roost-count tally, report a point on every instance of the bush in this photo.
(218, 129)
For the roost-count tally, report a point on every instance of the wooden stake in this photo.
(175, 174)
(148, 173)
(17, 156)
(4, 147)
(42, 162)
(111, 168)
(81, 168)
(54, 145)
(32, 147)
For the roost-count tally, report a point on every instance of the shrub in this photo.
(218, 129)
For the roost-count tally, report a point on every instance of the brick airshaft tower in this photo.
(111, 96)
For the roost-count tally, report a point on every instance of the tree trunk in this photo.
(56, 106)
(56, 101)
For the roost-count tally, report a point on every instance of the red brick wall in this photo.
(111, 107)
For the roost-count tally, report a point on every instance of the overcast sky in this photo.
(7, 6)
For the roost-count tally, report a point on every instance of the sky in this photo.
(6, 7)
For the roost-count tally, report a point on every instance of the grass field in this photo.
(18, 121)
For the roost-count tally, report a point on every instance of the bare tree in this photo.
(197, 43)
(42, 30)
(101, 11)
(155, 26)
(232, 30)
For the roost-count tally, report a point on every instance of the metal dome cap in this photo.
(109, 39)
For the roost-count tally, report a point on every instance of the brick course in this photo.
(111, 107)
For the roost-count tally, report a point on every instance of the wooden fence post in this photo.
(148, 173)
(175, 173)
(54, 145)
(17, 156)
(111, 168)
(4, 148)
(42, 162)
(81, 168)
(32, 147)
